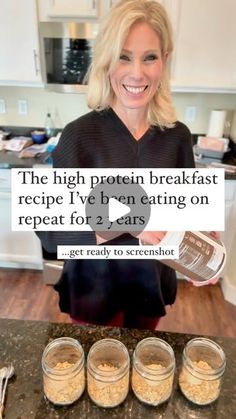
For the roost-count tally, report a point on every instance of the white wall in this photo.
(204, 103)
(66, 107)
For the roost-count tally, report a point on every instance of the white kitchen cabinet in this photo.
(170, 6)
(57, 10)
(19, 45)
(107, 4)
(229, 239)
(17, 249)
(205, 53)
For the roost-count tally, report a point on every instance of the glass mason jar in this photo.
(153, 371)
(203, 366)
(63, 371)
(108, 372)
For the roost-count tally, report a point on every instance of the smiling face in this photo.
(136, 77)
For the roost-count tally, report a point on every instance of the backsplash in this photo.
(66, 107)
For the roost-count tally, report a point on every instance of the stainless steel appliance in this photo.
(66, 52)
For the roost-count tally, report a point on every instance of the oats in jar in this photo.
(108, 373)
(152, 391)
(63, 371)
(66, 390)
(203, 366)
(108, 393)
(153, 371)
(200, 391)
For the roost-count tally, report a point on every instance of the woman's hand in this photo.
(151, 237)
(107, 236)
(215, 234)
(146, 237)
(213, 281)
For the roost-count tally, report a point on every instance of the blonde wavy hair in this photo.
(108, 46)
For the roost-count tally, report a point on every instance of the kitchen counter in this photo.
(23, 342)
(10, 159)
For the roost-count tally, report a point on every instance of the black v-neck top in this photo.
(95, 290)
(101, 139)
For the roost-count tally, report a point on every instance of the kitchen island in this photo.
(23, 342)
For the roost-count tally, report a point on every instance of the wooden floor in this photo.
(201, 311)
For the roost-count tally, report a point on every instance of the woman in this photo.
(133, 124)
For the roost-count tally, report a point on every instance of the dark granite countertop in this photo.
(10, 159)
(23, 342)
